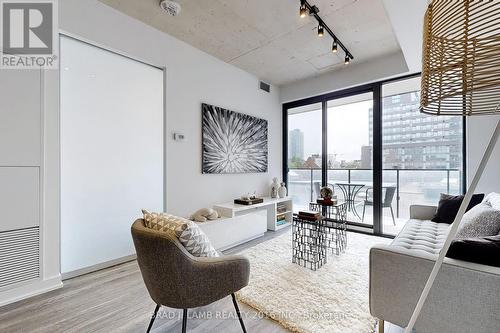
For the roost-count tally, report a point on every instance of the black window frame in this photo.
(376, 89)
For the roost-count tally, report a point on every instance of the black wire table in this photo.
(308, 243)
(334, 217)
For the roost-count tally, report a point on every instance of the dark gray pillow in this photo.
(484, 250)
(449, 205)
(481, 221)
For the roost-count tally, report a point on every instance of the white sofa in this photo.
(465, 297)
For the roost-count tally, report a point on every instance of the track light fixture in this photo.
(334, 46)
(303, 10)
(306, 8)
(321, 30)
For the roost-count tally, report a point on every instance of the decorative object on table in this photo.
(233, 142)
(309, 215)
(274, 188)
(204, 214)
(248, 201)
(282, 191)
(326, 192)
(460, 76)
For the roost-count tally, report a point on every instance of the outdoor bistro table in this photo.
(350, 191)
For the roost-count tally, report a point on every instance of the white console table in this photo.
(270, 205)
(240, 223)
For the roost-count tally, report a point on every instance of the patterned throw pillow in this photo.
(481, 221)
(189, 234)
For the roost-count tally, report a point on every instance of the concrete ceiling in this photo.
(267, 38)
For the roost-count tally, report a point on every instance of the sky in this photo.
(348, 130)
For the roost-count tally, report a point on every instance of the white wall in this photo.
(193, 77)
(479, 130)
(351, 75)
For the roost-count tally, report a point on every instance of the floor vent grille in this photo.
(19, 255)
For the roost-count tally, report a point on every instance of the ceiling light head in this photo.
(321, 30)
(334, 46)
(303, 11)
(347, 60)
(171, 7)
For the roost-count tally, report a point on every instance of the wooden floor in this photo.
(115, 300)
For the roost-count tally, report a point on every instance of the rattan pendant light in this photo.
(461, 58)
(460, 76)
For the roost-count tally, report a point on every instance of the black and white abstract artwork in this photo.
(233, 142)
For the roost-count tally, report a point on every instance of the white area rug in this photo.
(332, 299)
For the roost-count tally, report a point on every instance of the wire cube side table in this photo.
(334, 218)
(308, 243)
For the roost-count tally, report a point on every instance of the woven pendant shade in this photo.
(461, 58)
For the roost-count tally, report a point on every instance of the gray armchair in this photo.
(176, 279)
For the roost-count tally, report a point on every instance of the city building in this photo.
(296, 145)
(413, 140)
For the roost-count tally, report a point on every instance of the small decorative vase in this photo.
(282, 192)
(274, 188)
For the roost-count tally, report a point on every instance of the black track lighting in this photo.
(334, 46)
(306, 9)
(303, 11)
(321, 30)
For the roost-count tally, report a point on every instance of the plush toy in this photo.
(204, 214)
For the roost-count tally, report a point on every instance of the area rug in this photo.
(333, 299)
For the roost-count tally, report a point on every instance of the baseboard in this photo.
(30, 289)
(97, 267)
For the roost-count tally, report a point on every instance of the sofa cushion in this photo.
(494, 200)
(482, 220)
(189, 233)
(423, 236)
(450, 204)
(483, 250)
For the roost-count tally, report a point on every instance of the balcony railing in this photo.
(413, 186)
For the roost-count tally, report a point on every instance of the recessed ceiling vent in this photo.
(171, 7)
(265, 86)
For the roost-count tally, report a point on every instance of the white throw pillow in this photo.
(493, 199)
(189, 234)
(481, 221)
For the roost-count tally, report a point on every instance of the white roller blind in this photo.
(111, 151)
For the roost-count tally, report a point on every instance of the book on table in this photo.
(309, 215)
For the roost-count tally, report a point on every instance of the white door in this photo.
(112, 123)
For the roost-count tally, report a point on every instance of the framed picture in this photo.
(233, 142)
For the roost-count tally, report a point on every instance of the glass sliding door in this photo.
(349, 154)
(304, 154)
(376, 150)
(421, 154)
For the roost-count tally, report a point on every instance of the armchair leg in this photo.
(184, 320)
(153, 317)
(239, 314)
